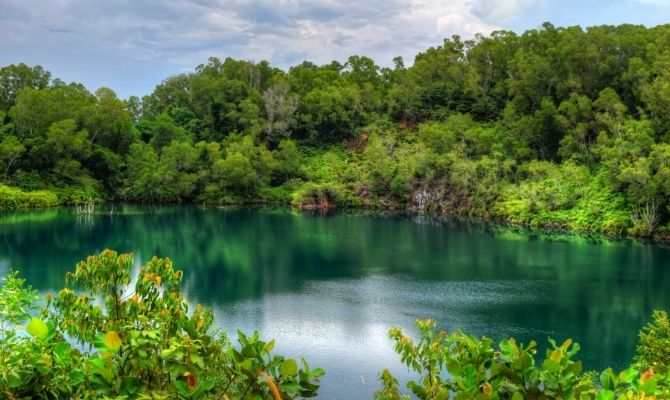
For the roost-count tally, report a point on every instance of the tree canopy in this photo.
(519, 113)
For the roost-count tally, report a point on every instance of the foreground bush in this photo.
(111, 339)
(653, 350)
(460, 366)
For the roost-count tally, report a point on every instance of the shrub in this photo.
(653, 349)
(281, 194)
(110, 339)
(312, 195)
(13, 198)
(460, 366)
(79, 195)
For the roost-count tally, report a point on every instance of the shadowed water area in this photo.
(328, 287)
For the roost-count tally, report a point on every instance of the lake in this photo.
(328, 287)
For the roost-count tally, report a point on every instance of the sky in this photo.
(132, 45)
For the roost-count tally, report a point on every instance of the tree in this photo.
(235, 175)
(656, 94)
(10, 150)
(172, 92)
(307, 76)
(109, 123)
(289, 162)
(611, 111)
(332, 113)
(177, 172)
(134, 106)
(361, 70)
(207, 154)
(142, 182)
(439, 80)
(64, 149)
(260, 159)
(227, 98)
(576, 120)
(164, 131)
(15, 77)
(37, 109)
(280, 112)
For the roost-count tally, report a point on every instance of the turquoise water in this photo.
(328, 287)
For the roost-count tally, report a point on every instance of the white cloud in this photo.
(459, 24)
(82, 35)
(176, 31)
(436, 18)
(500, 11)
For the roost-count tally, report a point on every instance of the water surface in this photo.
(328, 287)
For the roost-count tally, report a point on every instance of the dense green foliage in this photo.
(13, 198)
(654, 347)
(559, 127)
(113, 340)
(460, 366)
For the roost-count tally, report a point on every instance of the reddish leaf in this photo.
(487, 389)
(191, 381)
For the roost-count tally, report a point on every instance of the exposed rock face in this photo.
(428, 198)
(323, 203)
(419, 199)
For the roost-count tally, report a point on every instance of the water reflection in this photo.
(329, 286)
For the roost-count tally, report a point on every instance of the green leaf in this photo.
(268, 347)
(628, 375)
(105, 373)
(76, 376)
(52, 329)
(197, 360)
(289, 367)
(608, 379)
(453, 367)
(606, 395)
(508, 348)
(524, 361)
(62, 349)
(551, 365)
(37, 328)
(417, 389)
(290, 388)
(130, 385)
(182, 388)
(246, 364)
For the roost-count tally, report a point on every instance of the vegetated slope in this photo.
(559, 127)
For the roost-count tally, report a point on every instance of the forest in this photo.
(565, 128)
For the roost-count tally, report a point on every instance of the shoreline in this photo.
(380, 207)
